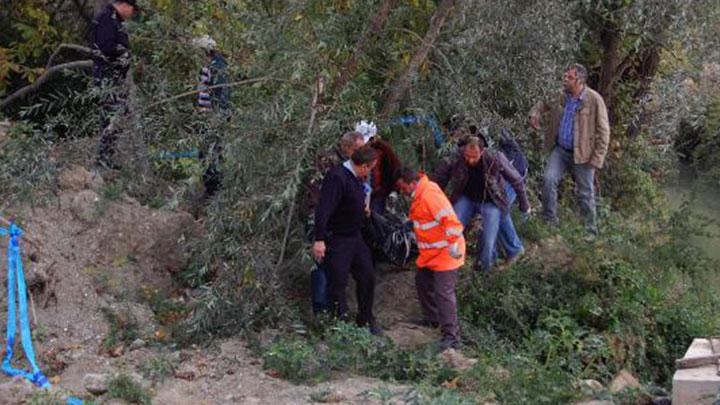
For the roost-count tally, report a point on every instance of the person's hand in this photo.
(534, 122)
(318, 250)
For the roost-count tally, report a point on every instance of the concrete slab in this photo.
(696, 386)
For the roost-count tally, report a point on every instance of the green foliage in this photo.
(25, 169)
(122, 386)
(296, 360)
(157, 368)
(123, 328)
(630, 299)
(349, 348)
(112, 191)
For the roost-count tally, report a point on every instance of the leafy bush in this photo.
(123, 328)
(122, 386)
(296, 360)
(157, 368)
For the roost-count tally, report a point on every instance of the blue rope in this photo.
(193, 154)
(426, 119)
(15, 272)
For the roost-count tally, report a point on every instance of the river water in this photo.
(706, 204)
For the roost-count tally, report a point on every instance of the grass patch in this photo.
(122, 386)
(112, 191)
(157, 368)
(123, 328)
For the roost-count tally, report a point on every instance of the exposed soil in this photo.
(88, 254)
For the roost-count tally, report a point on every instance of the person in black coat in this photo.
(339, 245)
(111, 61)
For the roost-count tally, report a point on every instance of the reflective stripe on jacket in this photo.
(437, 228)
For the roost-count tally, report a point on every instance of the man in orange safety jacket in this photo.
(441, 246)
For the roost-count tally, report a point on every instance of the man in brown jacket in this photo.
(476, 179)
(577, 134)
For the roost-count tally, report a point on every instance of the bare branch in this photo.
(77, 48)
(32, 88)
(375, 26)
(402, 83)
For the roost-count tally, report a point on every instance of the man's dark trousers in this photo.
(436, 292)
(348, 254)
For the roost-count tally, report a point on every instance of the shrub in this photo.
(122, 386)
(296, 360)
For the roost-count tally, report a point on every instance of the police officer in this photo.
(339, 244)
(111, 61)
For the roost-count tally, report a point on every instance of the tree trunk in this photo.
(377, 23)
(402, 83)
(610, 40)
(646, 73)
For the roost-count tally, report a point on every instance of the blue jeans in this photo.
(318, 289)
(466, 209)
(508, 239)
(559, 162)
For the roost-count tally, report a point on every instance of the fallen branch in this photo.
(32, 88)
(314, 106)
(217, 86)
(77, 48)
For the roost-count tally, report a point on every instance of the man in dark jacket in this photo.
(111, 61)
(339, 244)
(476, 176)
(349, 143)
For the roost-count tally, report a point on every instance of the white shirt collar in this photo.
(348, 165)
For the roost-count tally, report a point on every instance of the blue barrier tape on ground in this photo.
(15, 275)
(426, 119)
(192, 154)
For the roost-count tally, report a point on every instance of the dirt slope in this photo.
(90, 253)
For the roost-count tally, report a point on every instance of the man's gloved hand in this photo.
(455, 252)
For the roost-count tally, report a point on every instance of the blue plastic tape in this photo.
(426, 119)
(192, 154)
(15, 275)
